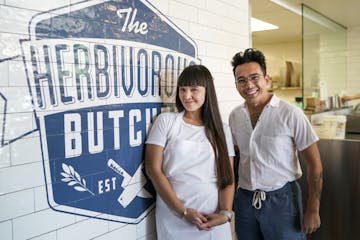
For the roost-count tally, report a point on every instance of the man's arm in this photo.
(349, 98)
(315, 183)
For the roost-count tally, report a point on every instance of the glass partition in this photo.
(324, 56)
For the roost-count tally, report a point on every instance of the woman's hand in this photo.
(194, 217)
(213, 220)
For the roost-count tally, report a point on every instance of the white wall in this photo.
(353, 63)
(276, 55)
(218, 27)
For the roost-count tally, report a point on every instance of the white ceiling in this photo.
(344, 12)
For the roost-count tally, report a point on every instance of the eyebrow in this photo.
(250, 75)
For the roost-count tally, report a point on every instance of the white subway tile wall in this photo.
(353, 63)
(218, 27)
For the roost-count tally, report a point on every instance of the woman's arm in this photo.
(226, 198)
(153, 165)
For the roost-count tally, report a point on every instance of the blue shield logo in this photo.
(98, 73)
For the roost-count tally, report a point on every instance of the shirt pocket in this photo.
(275, 149)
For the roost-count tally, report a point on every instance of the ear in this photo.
(267, 80)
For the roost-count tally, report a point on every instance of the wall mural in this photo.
(98, 72)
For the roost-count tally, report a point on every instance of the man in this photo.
(268, 133)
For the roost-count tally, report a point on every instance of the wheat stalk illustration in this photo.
(73, 178)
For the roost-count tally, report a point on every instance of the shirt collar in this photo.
(274, 101)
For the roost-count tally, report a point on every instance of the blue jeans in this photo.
(279, 218)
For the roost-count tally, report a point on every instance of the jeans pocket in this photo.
(298, 203)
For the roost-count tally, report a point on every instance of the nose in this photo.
(187, 94)
(249, 83)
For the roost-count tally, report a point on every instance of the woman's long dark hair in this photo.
(199, 75)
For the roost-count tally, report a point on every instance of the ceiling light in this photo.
(258, 25)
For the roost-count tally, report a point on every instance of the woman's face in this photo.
(192, 97)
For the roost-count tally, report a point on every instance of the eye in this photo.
(194, 89)
(254, 77)
(241, 80)
(182, 89)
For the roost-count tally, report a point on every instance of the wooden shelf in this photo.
(285, 88)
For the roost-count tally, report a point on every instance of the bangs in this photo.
(192, 78)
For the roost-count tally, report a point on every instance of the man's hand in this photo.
(311, 221)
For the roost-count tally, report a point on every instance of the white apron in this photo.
(190, 168)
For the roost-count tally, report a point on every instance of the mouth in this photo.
(188, 103)
(251, 92)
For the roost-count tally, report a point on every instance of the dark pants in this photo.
(279, 218)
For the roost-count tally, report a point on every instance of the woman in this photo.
(189, 158)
